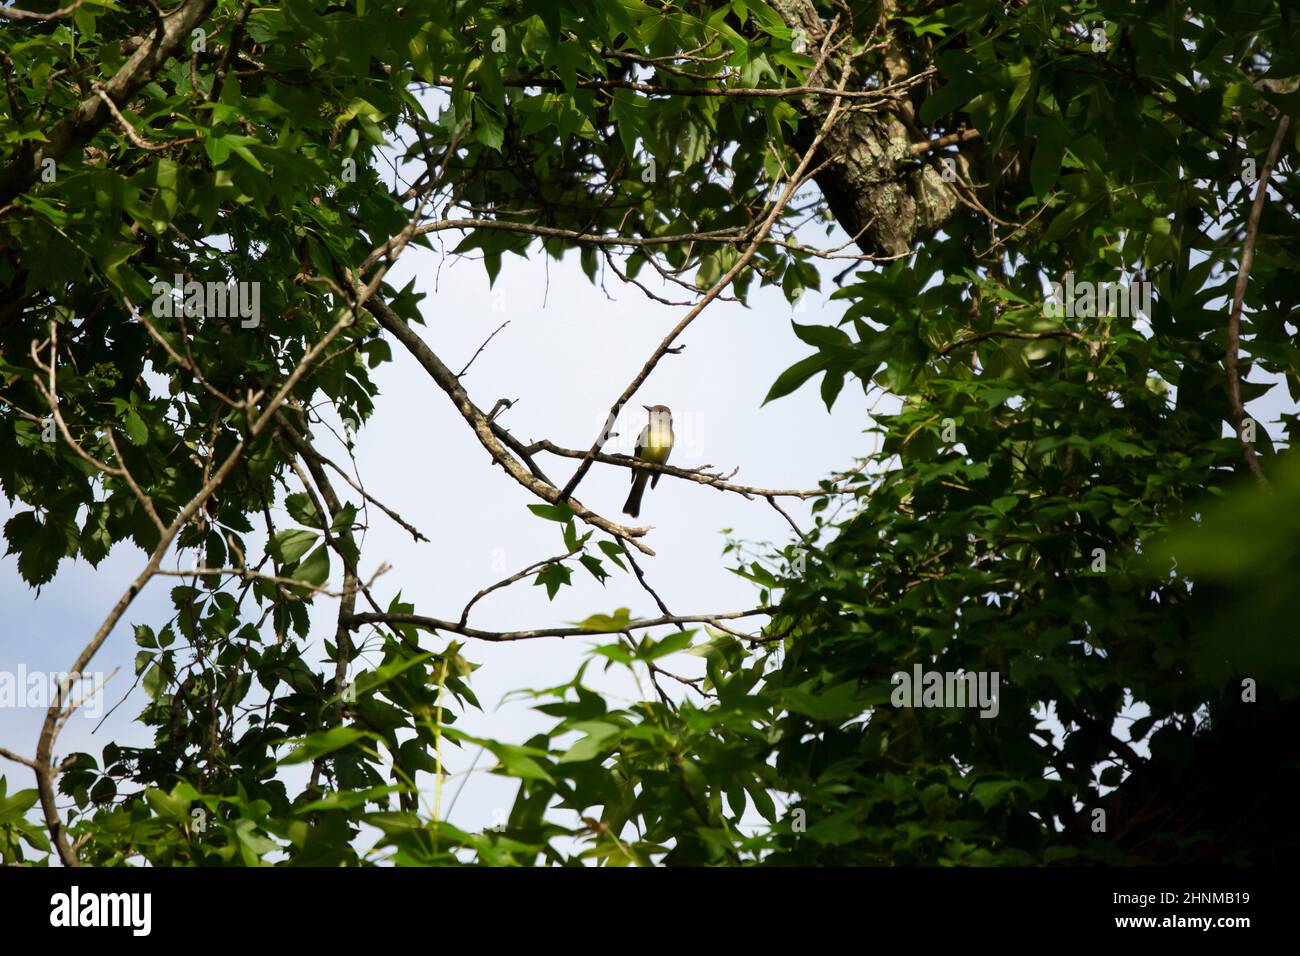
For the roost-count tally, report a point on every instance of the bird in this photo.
(654, 444)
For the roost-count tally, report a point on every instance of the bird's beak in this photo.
(646, 407)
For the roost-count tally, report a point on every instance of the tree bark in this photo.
(880, 194)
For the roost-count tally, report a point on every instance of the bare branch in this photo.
(311, 451)
(51, 394)
(784, 514)
(723, 282)
(19, 758)
(13, 13)
(951, 139)
(1238, 296)
(136, 139)
(551, 232)
(486, 432)
(244, 574)
(535, 566)
(880, 95)
(433, 624)
(45, 771)
(654, 668)
(689, 474)
(461, 373)
(79, 125)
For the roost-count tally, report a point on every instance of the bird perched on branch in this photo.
(653, 445)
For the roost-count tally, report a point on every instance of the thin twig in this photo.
(51, 394)
(772, 501)
(718, 287)
(461, 373)
(410, 529)
(136, 139)
(1238, 297)
(19, 758)
(464, 615)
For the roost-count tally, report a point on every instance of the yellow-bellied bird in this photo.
(654, 445)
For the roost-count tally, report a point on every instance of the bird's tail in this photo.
(633, 505)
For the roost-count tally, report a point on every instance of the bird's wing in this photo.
(642, 440)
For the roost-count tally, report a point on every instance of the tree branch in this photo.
(76, 128)
(505, 582)
(882, 94)
(689, 474)
(13, 13)
(446, 379)
(795, 179)
(434, 624)
(1238, 297)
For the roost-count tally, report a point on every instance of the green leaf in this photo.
(651, 650)
(1048, 154)
(553, 577)
(217, 148)
(315, 568)
(794, 376)
(288, 546)
(344, 520)
(488, 128)
(823, 337)
(832, 383)
(989, 793)
(599, 736)
(552, 512)
(831, 704)
(325, 742)
(13, 807)
(607, 623)
(303, 510)
(833, 831)
(154, 682)
(171, 806)
(614, 551)
(135, 428)
(947, 98)
(593, 565)
(615, 652)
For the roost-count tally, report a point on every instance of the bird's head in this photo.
(660, 413)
